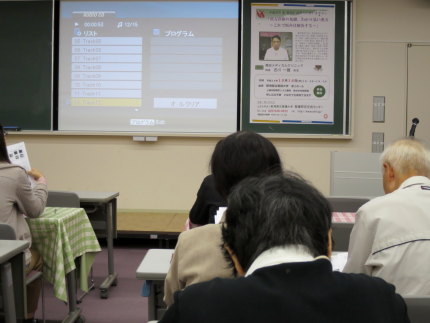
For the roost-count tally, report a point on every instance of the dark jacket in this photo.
(290, 292)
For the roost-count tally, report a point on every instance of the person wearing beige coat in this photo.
(18, 200)
(198, 256)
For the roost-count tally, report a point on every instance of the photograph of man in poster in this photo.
(274, 46)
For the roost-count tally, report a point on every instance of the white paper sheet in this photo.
(219, 214)
(338, 260)
(18, 156)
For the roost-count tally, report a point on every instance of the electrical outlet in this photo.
(379, 109)
(377, 142)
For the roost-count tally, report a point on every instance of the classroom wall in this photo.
(166, 174)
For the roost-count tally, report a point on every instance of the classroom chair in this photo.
(346, 204)
(63, 199)
(342, 231)
(418, 308)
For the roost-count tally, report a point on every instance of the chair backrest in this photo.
(7, 232)
(340, 235)
(342, 231)
(346, 204)
(63, 199)
(418, 308)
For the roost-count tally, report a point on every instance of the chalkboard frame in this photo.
(39, 114)
(26, 29)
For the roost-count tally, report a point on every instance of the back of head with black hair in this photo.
(4, 157)
(275, 211)
(242, 154)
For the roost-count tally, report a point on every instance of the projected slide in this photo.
(154, 66)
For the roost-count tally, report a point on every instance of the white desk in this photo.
(153, 269)
(155, 264)
(13, 279)
(93, 202)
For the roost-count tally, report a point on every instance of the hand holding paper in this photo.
(35, 173)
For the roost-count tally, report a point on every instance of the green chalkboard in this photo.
(26, 64)
(256, 39)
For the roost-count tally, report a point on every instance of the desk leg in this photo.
(111, 279)
(7, 292)
(151, 302)
(74, 314)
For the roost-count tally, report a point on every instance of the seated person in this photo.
(277, 232)
(391, 235)
(18, 199)
(207, 203)
(198, 256)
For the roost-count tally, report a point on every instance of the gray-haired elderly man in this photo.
(391, 235)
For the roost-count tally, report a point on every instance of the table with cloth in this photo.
(61, 235)
(343, 217)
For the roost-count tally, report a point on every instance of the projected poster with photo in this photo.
(296, 76)
(148, 66)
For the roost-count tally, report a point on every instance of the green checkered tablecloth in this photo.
(61, 235)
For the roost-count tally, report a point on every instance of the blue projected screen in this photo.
(148, 66)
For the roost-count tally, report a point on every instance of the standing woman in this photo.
(18, 200)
